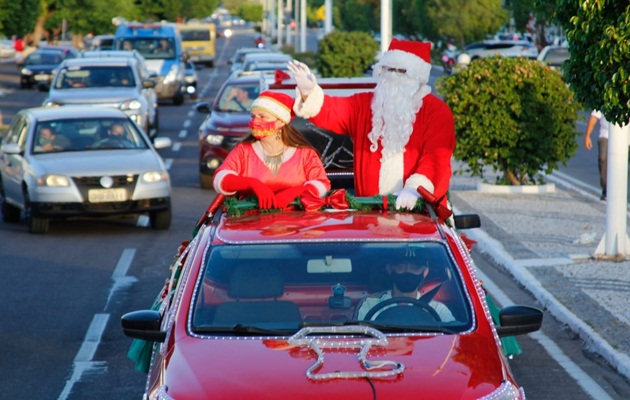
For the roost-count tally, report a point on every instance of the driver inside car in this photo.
(407, 277)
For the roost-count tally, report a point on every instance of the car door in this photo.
(148, 93)
(13, 165)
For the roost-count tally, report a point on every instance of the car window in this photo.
(94, 76)
(557, 56)
(151, 48)
(87, 135)
(286, 286)
(238, 98)
(16, 134)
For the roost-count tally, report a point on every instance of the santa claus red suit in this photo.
(403, 135)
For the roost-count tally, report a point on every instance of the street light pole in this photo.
(280, 20)
(386, 24)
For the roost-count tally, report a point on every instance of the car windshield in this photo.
(95, 76)
(238, 98)
(280, 288)
(43, 59)
(152, 48)
(556, 57)
(91, 134)
(193, 35)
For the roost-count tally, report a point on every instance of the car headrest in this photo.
(255, 281)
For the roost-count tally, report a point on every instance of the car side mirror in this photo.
(519, 320)
(204, 107)
(148, 83)
(143, 324)
(467, 221)
(185, 56)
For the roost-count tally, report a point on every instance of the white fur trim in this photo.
(273, 107)
(311, 106)
(416, 180)
(219, 178)
(390, 178)
(321, 188)
(417, 68)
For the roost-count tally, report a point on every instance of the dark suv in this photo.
(39, 66)
(227, 124)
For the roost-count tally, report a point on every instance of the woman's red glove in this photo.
(235, 183)
(286, 196)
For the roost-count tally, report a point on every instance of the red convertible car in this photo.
(306, 304)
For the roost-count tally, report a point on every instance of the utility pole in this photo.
(280, 21)
(328, 6)
(386, 24)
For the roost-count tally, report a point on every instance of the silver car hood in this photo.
(99, 162)
(92, 96)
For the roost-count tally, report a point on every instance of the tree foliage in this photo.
(465, 20)
(599, 67)
(513, 115)
(18, 17)
(346, 54)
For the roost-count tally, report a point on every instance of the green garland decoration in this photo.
(236, 207)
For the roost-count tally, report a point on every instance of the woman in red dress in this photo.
(275, 162)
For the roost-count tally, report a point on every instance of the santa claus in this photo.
(403, 135)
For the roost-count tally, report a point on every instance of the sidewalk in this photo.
(546, 242)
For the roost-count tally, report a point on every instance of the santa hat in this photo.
(415, 57)
(275, 103)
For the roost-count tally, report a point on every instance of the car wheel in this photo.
(36, 225)
(160, 220)
(206, 181)
(156, 123)
(10, 213)
(178, 99)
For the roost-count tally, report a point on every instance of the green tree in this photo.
(512, 115)
(18, 17)
(599, 67)
(464, 20)
(251, 12)
(345, 54)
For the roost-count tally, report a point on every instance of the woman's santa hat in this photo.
(275, 103)
(415, 57)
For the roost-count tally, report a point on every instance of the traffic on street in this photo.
(64, 292)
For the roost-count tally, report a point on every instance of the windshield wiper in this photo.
(243, 329)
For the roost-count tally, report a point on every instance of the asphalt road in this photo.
(64, 292)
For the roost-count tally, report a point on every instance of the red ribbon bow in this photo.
(336, 200)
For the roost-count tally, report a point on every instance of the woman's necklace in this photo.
(274, 161)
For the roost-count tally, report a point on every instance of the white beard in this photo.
(396, 102)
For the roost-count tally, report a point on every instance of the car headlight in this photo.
(53, 180)
(51, 104)
(507, 391)
(154, 177)
(171, 76)
(26, 71)
(131, 105)
(215, 140)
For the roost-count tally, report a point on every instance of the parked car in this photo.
(554, 56)
(71, 162)
(269, 306)
(114, 82)
(505, 48)
(39, 66)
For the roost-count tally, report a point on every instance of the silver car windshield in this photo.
(86, 135)
(95, 77)
(280, 288)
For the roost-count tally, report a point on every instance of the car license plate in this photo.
(41, 77)
(105, 195)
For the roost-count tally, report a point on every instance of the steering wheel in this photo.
(110, 142)
(397, 301)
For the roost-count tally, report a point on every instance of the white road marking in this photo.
(168, 163)
(176, 146)
(83, 360)
(183, 133)
(187, 123)
(191, 113)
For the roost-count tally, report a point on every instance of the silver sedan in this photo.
(70, 161)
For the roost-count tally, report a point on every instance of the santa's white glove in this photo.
(304, 79)
(407, 198)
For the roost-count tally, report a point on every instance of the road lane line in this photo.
(176, 146)
(83, 360)
(183, 133)
(168, 163)
(187, 123)
(124, 262)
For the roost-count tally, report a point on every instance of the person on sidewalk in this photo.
(602, 145)
(275, 161)
(403, 135)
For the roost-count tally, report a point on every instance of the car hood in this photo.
(98, 162)
(230, 119)
(443, 366)
(92, 96)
